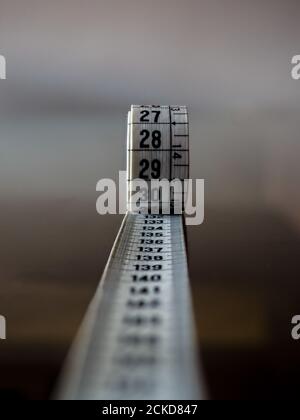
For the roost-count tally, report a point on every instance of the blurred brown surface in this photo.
(245, 271)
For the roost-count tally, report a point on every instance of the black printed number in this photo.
(156, 139)
(145, 167)
(145, 116)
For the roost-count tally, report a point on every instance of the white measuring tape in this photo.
(158, 148)
(137, 340)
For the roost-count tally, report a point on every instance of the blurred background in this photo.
(73, 69)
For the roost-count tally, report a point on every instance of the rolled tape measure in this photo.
(137, 341)
(158, 149)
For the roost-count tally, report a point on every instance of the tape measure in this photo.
(137, 341)
(158, 149)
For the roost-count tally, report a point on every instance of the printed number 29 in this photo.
(155, 168)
